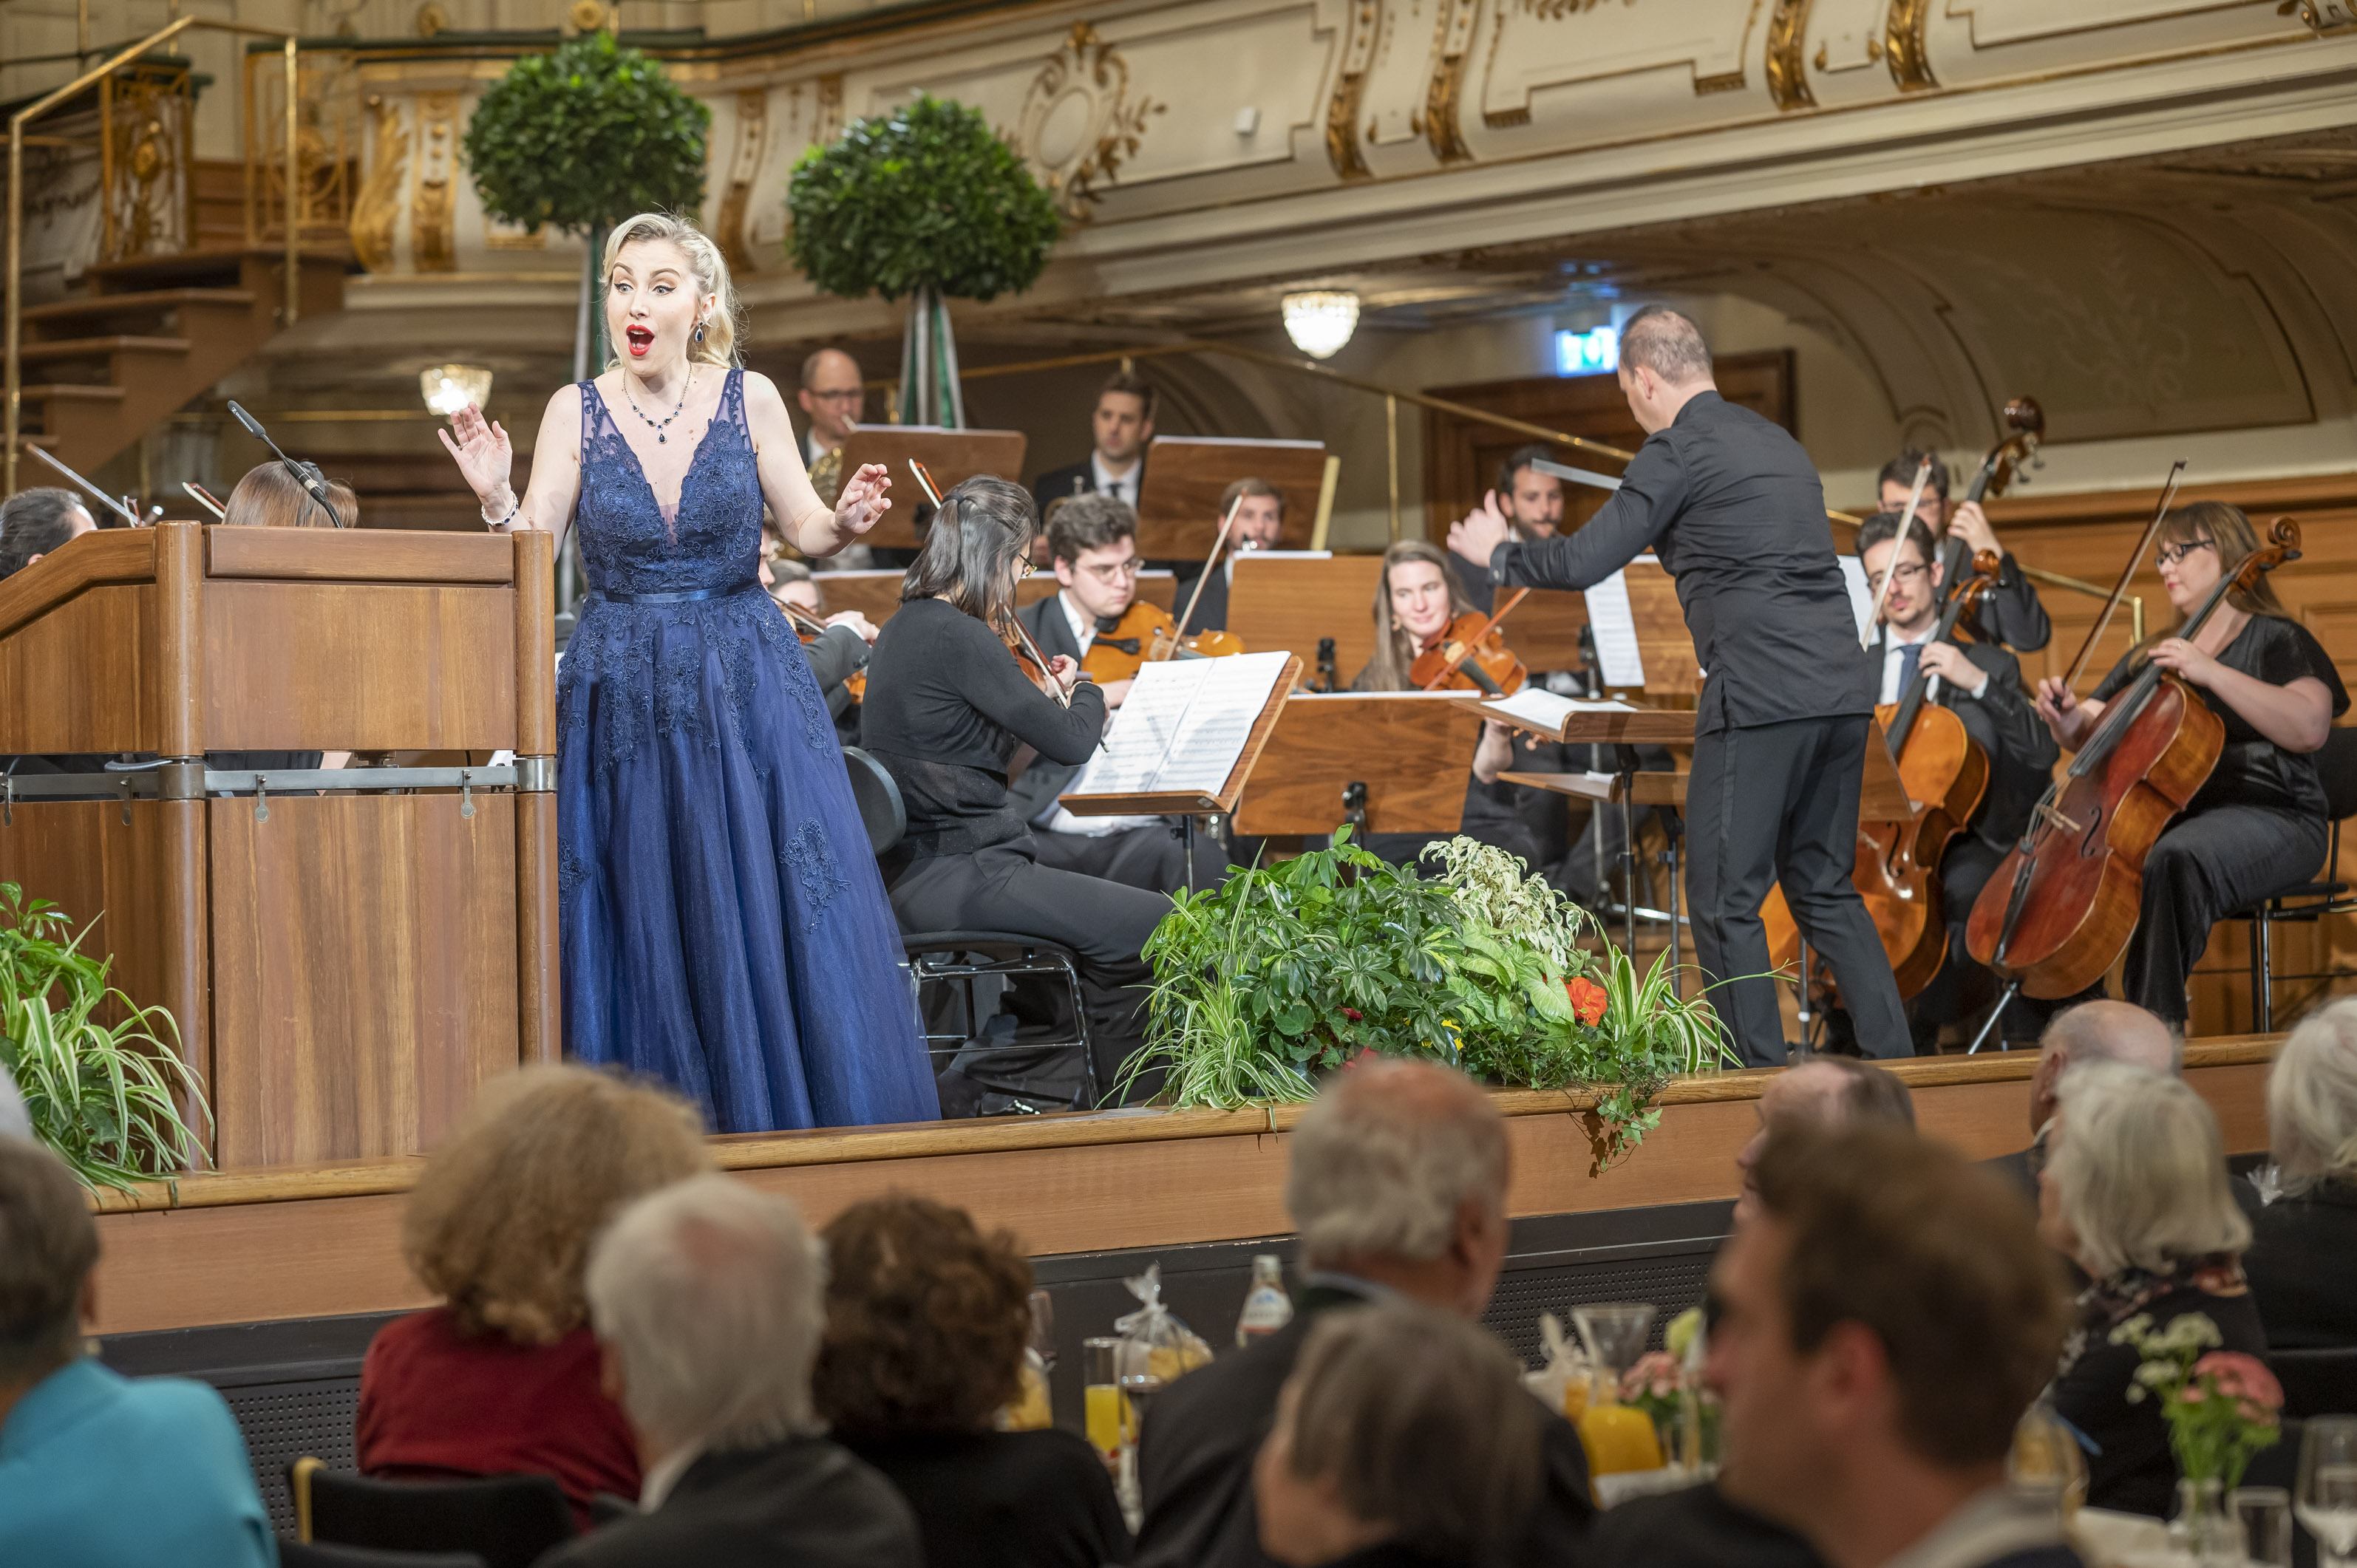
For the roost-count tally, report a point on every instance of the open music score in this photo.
(953, 457)
(1187, 739)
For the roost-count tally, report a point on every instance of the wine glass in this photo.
(1043, 1329)
(2326, 1501)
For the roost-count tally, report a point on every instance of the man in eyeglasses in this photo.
(831, 398)
(1981, 684)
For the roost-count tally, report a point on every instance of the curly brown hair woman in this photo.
(503, 1376)
(926, 1323)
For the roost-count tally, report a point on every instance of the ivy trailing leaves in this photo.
(1294, 970)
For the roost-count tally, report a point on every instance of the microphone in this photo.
(305, 474)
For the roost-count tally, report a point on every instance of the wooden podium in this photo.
(347, 961)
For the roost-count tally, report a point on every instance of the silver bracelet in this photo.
(495, 527)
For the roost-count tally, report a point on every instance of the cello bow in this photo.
(2127, 573)
(1882, 594)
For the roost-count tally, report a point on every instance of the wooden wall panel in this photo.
(305, 666)
(363, 968)
(76, 678)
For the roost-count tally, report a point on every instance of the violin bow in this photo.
(2120, 589)
(1210, 561)
(1474, 641)
(802, 618)
(204, 497)
(1907, 521)
(933, 494)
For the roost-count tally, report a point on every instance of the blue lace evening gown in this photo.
(721, 924)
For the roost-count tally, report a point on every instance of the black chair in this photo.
(962, 958)
(2317, 1382)
(2336, 765)
(315, 1554)
(507, 1521)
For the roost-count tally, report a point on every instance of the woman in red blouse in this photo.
(503, 1376)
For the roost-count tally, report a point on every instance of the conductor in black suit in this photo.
(1731, 504)
(1121, 428)
(1979, 683)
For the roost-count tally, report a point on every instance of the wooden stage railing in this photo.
(318, 1241)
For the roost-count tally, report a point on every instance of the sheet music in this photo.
(1183, 727)
(1861, 597)
(1615, 625)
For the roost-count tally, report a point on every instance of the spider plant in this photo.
(104, 1097)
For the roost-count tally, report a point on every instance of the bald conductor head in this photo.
(1663, 363)
(833, 397)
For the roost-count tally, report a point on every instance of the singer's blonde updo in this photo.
(711, 269)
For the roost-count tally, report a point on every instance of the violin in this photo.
(1896, 871)
(809, 628)
(1470, 655)
(2061, 906)
(1146, 634)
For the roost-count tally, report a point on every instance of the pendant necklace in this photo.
(642, 413)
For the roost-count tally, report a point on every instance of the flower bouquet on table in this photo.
(2222, 1407)
(1292, 970)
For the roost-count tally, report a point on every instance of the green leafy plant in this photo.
(582, 137)
(926, 202)
(106, 1097)
(1293, 970)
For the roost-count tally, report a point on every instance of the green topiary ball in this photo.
(925, 196)
(582, 138)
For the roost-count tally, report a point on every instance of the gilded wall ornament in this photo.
(376, 212)
(1342, 148)
(1079, 124)
(1443, 124)
(744, 163)
(433, 244)
(1903, 30)
(1787, 83)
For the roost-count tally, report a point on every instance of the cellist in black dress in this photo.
(2257, 825)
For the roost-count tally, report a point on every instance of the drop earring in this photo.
(699, 332)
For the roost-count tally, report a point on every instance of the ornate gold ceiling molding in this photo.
(1342, 149)
(1788, 81)
(1079, 124)
(1443, 127)
(2329, 15)
(1903, 45)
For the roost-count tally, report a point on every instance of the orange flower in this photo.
(1587, 1000)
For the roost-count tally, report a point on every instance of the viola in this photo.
(1896, 871)
(2060, 909)
(1471, 655)
(809, 628)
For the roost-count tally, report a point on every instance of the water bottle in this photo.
(1266, 1307)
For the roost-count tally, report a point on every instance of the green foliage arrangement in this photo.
(104, 1097)
(582, 138)
(926, 196)
(1293, 970)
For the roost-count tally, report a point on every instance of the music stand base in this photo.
(2012, 990)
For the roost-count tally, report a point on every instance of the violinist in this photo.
(1980, 683)
(1416, 600)
(1532, 504)
(1260, 522)
(1092, 540)
(2012, 615)
(1733, 507)
(947, 708)
(2257, 825)
(838, 655)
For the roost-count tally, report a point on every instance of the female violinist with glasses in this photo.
(947, 708)
(2257, 825)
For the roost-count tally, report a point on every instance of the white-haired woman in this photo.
(721, 924)
(2134, 1191)
(2303, 1258)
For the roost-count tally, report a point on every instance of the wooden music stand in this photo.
(1178, 499)
(1543, 630)
(951, 456)
(1386, 762)
(1290, 601)
(1187, 802)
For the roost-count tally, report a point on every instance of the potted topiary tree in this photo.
(579, 139)
(929, 203)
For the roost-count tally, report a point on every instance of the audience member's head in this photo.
(2312, 1102)
(2135, 1175)
(1883, 1322)
(709, 1299)
(500, 1223)
(2099, 1032)
(1823, 1092)
(1398, 1175)
(47, 1247)
(1400, 1424)
(269, 497)
(926, 1320)
(34, 522)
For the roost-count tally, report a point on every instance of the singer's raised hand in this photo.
(864, 501)
(481, 451)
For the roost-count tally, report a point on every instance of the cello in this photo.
(1896, 871)
(2061, 906)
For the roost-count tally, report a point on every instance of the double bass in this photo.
(1896, 871)
(2061, 906)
